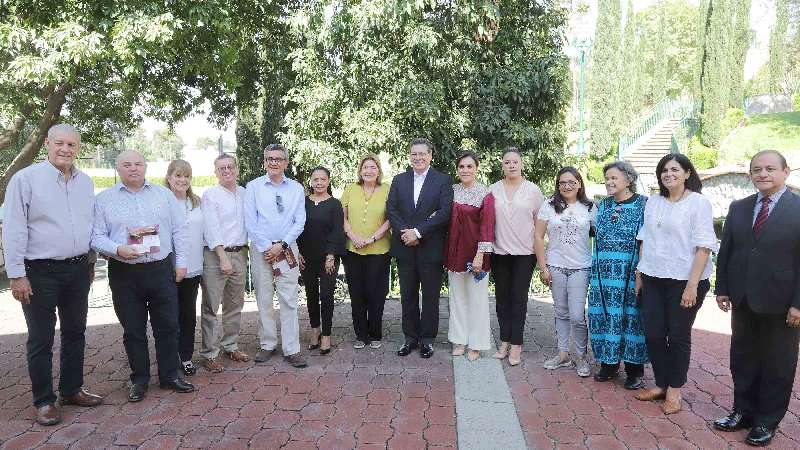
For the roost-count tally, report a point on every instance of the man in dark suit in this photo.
(758, 275)
(419, 206)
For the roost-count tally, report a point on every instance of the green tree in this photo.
(370, 75)
(102, 65)
(742, 37)
(605, 81)
(716, 68)
(777, 47)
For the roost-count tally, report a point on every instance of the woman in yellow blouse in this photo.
(366, 264)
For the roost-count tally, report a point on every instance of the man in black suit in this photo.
(419, 206)
(758, 275)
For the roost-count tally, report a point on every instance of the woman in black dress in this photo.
(321, 245)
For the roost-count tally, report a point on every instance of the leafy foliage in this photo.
(605, 81)
(368, 76)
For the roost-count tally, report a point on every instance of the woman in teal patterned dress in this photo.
(615, 322)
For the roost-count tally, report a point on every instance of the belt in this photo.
(80, 259)
(235, 248)
(144, 265)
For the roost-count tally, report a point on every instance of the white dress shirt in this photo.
(419, 180)
(274, 212)
(672, 233)
(46, 217)
(223, 212)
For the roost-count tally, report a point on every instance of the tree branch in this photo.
(26, 155)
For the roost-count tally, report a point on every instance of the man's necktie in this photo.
(763, 213)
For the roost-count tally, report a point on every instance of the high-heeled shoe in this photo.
(501, 352)
(325, 345)
(515, 355)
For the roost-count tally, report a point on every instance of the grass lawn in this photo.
(779, 131)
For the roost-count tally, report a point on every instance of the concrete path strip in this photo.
(486, 417)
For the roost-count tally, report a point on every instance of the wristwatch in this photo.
(284, 245)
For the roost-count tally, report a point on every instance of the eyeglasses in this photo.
(224, 168)
(279, 203)
(615, 215)
(570, 183)
(274, 160)
(418, 155)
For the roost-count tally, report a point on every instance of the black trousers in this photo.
(420, 325)
(764, 354)
(320, 287)
(62, 288)
(187, 315)
(138, 290)
(368, 285)
(512, 281)
(668, 327)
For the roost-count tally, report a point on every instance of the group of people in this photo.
(644, 264)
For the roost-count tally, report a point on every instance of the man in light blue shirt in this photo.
(137, 226)
(274, 215)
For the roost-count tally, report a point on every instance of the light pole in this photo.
(583, 46)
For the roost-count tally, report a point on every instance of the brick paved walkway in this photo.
(558, 409)
(364, 399)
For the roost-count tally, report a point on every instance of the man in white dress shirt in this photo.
(224, 265)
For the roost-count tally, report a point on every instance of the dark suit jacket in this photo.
(430, 216)
(764, 271)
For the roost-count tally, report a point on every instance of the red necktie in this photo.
(762, 217)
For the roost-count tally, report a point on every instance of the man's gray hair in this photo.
(224, 156)
(277, 148)
(421, 141)
(627, 169)
(62, 128)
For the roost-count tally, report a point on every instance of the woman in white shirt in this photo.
(567, 220)
(179, 181)
(677, 241)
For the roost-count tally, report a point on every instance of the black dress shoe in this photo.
(426, 351)
(732, 422)
(760, 436)
(633, 382)
(178, 386)
(407, 348)
(605, 375)
(136, 394)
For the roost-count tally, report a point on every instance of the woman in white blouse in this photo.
(674, 266)
(566, 220)
(179, 181)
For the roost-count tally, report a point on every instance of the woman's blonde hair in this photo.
(374, 158)
(182, 167)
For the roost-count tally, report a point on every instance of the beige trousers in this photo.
(469, 311)
(287, 289)
(227, 290)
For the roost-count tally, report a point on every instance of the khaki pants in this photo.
(469, 311)
(287, 289)
(227, 290)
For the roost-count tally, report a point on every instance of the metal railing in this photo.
(667, 108)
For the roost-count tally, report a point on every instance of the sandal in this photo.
(501, 352)
(325, 345)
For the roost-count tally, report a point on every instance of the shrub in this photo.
(199, 181)
(796, 99)
(702, 157)
(734, 118)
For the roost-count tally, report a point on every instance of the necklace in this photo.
(366, 202)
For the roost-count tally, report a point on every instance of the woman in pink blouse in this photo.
(517, 202)
(467, 261)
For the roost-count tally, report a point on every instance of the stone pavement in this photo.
(372, 398)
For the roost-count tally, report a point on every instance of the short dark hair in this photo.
(276, 148)
(468, 154)
(784, 164)
(511, 150)
(692, 183)
(421, 141)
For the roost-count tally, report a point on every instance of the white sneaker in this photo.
(375, 344)
(359, 344)
(583, 368)
(557, 363)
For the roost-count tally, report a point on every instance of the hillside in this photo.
(779, 131)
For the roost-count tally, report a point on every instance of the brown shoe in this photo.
(213, 365)
(671, 407)
(238, 356)
(650, 395)
(296, 360)
(82, 398)
(48, 415)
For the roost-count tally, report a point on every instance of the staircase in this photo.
(648, 150)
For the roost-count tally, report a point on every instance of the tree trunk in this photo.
(10, 135)
(35, 141)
